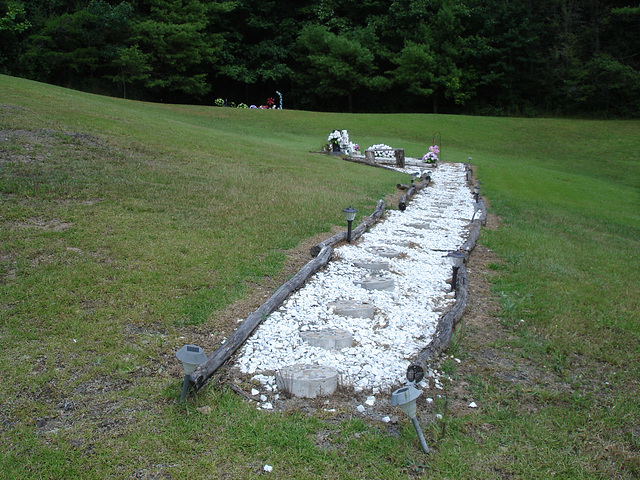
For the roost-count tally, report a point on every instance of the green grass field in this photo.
(127, 228)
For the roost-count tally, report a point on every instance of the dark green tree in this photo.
(258, 53)
(13, 27)
(172, 36)
(332, 67)
(131, 67)
(429, 62)
(77, 49)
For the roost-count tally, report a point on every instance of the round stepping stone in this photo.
(378, 283)
(384, 252)
(371, 265)
(329, 339)
(307, 381)
(353, 309)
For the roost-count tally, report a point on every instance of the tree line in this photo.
(514, 57)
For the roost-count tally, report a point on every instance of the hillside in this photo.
(128, 229)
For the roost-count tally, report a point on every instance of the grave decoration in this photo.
(334, 140)
(339, 142)
(382, 150)
(432, 155)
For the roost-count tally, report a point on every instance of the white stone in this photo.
(404, 318)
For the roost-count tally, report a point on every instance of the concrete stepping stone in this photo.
(329, 339)
(384, 252)
(420, 226)
(403, 243)
(372, 265)
(307, 381)
(353, 308)
(378, 283)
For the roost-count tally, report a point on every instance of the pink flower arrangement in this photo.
(432, 155)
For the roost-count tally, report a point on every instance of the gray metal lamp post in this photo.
(406, 398)
(350, 214)
(191, 356)
(456, 259)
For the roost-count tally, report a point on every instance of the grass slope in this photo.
(127, 227)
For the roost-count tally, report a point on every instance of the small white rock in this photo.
(267, 468)
(267, 406)
(371, 401)
(360, 408)
(473, 405)
(254, 392)
(386, 419)
(429, 400)
(438, 416)
(263, 398)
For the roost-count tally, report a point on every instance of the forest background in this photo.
(490, 57)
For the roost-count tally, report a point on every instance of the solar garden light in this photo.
(476, 208)
(406, 398)
(476, 191)
(350, 214)
(456, 259)
(191, 356)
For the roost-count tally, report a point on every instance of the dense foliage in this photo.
(473, 56)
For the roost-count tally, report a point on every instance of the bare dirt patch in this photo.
(52, 224)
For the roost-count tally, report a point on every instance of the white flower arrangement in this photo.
(386, 150)
(340, 138)
(334, 137)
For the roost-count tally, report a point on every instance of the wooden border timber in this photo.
(412, 190)
(206, 370)
(322, 254)
(446, 323)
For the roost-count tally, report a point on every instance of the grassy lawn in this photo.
(127, 229)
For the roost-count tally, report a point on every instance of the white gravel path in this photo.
(405, 318)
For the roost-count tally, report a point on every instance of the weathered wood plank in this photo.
(447, 322)
(444, 330)
(204, 371)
